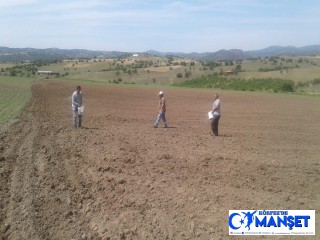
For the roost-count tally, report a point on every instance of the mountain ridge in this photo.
(55, 54)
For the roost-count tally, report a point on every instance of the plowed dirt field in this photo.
(118, 178)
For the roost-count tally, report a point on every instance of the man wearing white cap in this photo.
(161, 111)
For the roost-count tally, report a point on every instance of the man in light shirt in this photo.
(76, 103)
(161, 111)
(216, 115)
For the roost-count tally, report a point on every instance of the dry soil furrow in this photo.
(21, 144)
(118, 178)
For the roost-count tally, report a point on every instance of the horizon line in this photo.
(122, 51)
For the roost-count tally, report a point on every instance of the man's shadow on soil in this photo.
(225, 135)
(90, 128)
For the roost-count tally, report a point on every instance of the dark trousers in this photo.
(215, 124)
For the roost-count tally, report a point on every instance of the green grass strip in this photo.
(15, 92)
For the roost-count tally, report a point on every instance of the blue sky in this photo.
(140, 25)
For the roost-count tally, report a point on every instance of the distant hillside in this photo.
(238, 54)
(287, 51)
(54, 54)
(233, 54)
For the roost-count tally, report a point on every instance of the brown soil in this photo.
(118, 178)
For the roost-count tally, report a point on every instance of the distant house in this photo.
(48, 73)
(228, 71)
(135, 55)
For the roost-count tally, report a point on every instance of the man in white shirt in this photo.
(76, 103)
(216, 115)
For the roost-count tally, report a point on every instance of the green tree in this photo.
(13, 73)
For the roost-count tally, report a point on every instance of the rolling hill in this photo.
(55, 54)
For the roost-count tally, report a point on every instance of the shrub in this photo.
(302, 84)
(287, 87)
(13, 72)
(316, 81)
(265, 84)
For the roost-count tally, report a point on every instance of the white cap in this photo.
(161, 93)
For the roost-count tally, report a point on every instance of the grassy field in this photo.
(298, 71)
(164, 71)
(15, 92)
(124, 70)
(15, 79)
